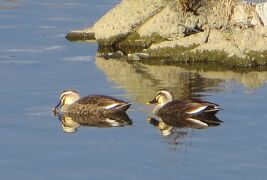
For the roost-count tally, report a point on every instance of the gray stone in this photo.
(133, 57)
(124, 18)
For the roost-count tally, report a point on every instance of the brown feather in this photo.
(96, 104)
(180, 107)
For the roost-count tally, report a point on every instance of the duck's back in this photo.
(187, 106)
(172, 108)
(98, 104)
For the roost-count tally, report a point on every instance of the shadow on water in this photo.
(71, 123)
(142, 80)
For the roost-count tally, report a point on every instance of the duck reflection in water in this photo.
(177, 114)
(71, 123)
(174, 125)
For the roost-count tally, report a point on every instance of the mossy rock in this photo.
(134, 40)
(169, 51)
(80, 36)
(185, 55)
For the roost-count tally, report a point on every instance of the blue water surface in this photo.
(37, 63)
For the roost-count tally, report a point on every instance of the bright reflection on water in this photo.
(37, 63)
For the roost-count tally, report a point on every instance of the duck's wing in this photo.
(105, 102)
(173, 108)
(211, 108)
(207, 103)
(194, 108)
(180, 107)
(189, 107)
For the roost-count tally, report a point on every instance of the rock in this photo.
(85, 34)
(133, 57)
(218, 42)
(143, 55)
(115, 55)
(216, 47)
(124, 18)
(164, 24)
(251, 39)
(230, 32)
(193, 40)
(261, 10)
(138, 56)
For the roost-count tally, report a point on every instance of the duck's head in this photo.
(67, 97)
(162, 97)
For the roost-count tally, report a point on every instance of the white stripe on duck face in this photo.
(68, 97)
(68, 92)
(166, 94)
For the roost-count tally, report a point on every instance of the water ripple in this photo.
(80, 58)
(34, 50)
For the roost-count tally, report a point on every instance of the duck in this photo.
(187, 109)
(72, 103)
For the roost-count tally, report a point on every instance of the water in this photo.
(37, 63)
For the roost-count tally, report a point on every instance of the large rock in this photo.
(124, 18)
(261, 10)
(166, 24)
(229, 32)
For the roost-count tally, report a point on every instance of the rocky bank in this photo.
(226, 32)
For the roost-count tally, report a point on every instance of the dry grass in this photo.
(221, 11)
(190, 5)
(228, 5)
(194, 6)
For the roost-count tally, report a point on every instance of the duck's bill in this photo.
(55, 108)
(152, 101)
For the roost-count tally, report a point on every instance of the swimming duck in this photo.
(167, 106)
(72, 103)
